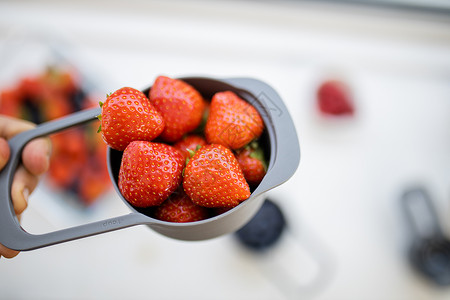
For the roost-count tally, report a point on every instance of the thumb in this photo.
(4, 152)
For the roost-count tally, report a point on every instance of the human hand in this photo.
(35, 162)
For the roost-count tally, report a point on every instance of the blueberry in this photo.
(264, 229)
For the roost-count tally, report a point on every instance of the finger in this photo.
(10, 127)
(23, 184)
(36, 156)
(4, 152)
(6, 252)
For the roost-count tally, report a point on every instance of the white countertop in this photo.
(347, 239)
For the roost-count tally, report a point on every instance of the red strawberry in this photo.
(58, 108)
(232, 122)
(93, 180)
(251, 161)
(180, 208)
(180, 105)
(149, 173)
(333, 98)
(127, 115)
(189, 142)
(11, 102)
(32, 88)
(212, 178)
(68, 157)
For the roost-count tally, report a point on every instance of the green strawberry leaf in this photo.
(192, 152)
(257, 153)
(100, 115)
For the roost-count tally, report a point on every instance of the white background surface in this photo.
(347, 238)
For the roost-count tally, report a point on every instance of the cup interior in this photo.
(207, 88)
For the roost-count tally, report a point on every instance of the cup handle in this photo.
(421, 214)
(12, 235)
(285, 158)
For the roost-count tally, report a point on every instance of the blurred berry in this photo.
(334, 98)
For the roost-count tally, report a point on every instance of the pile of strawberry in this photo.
(183, 156)
(78, 161)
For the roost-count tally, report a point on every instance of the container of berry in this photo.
(42, 79)
(191, 157)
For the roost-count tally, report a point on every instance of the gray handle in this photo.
(285, 158)
(12, 234)
(421, 214)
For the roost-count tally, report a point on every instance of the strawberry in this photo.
(59, 107)
(180, 105)
(180, 208)
(232, 122)
(68, 157)
(333, 98)
(253, 166)
(127, 115)
(149, 173)
(11, 102)
(212, 178)
(189, 142)
(93, 180)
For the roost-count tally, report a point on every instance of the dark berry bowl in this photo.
(279, 141)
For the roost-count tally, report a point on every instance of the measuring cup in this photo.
(279, 140)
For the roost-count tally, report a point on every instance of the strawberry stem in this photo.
(192, 152)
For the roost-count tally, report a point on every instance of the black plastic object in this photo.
(264, 229)
(279, 140)
(430, 251)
